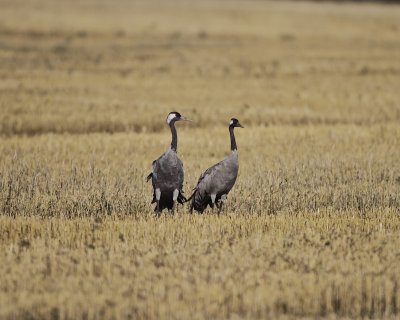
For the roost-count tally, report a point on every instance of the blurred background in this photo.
(121, 66)
(310, 228)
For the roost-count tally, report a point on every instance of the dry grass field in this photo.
(311, 228)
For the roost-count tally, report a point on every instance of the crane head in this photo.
(176, 116)
(235, 123)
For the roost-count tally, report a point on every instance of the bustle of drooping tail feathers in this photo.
(149, 176)
(166, 201)
(199, 201)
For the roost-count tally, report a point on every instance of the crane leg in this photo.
(219, 206)
(221, 202)
(174, 199)
(213, 196)
(158, 197)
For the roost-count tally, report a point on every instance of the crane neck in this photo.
(174, 142)
(233, 140)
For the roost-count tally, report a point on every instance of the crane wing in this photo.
(208, 173)
(152, 173)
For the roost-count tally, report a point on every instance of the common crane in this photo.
(167, 174)
(215, 183)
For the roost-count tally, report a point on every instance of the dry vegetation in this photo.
(310, 230)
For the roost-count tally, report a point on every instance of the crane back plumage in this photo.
(167, 175)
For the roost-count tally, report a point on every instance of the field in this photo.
(311, 228)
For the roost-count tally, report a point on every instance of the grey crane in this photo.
(167, 174)
(215, 183)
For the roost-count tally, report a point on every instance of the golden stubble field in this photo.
(311, 228)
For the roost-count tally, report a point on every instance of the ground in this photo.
(310, 228)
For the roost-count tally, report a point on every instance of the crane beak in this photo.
(185, 119)
(239, 125)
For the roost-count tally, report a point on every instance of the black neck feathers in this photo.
(174, 142)
(233, 140)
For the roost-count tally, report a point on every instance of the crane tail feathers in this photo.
(181, 198)
(166, 201)
(199, 201)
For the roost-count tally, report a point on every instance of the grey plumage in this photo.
(215, 183)
(167, 175)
